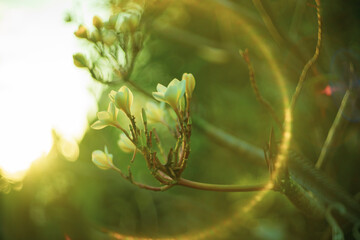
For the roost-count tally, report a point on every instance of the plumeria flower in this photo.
(155, 112)
(122, 99)
(170, 94)
(103, 160)
(190, 83)
(105, 117)
(125, 144)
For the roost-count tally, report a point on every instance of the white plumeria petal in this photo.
(159, 96)
(154, 112)
(125, 144)
(181, 87)
(104, 116)
(174, 82)
(172, 96)
(112, 95)
(99, 125)
(160, 88)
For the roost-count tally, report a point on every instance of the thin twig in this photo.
(222, 188)
(263, 101)
(302, 170)
(310, 62)
(141, 185)
(134, 155)
(158, 143)
(117, 125)
(332, 132)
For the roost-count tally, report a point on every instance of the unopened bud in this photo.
(102, 159)
(190, 84)
(112, 21)
(97, 22)
(109, 37)
(124, 99)
(95, 36)
(82, 32)
(133, 22)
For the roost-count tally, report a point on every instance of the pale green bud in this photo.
(112, 21)
(154, 112)
(97, 22)
(109, 37)
(133, 21)
(182, 104)
(124, 99)
(82, 32)
(190, 83)
(102, 159)
(125, 144)
(95, 36)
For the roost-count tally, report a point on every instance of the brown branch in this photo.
(332, 132)
(141, 185)
(311, 61)
(263, 101)
(222, 188)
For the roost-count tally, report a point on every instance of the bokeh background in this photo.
(50, 189)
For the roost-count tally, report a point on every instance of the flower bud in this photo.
(133, 22)
(82, 32)
(102, 159)
(80, 60)
(113, 111)
(124, 99)
(170, 94)
(97, 22)
(112, 21)
(95, 36)
(105, 118)
(154, 112)
(109, 37)
(122, 24)
(190, 84)
(125, 144)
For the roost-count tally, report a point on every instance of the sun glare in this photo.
(40, 89)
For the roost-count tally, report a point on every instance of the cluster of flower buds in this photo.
(121, 32)
(166, 168)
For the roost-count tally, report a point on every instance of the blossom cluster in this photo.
(177, 95)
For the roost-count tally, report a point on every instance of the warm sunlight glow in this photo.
(40, 88)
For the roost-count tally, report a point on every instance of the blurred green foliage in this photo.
(60, 199)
